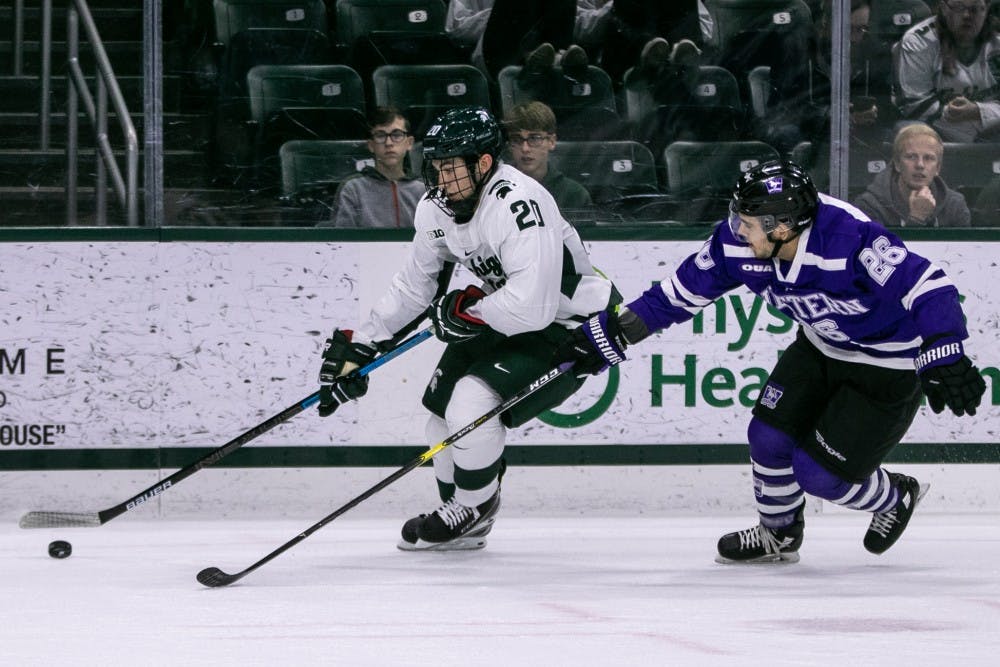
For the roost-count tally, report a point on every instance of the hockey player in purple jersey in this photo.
(877, 323)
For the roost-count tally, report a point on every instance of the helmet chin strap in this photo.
(776, 246)
(778, 243)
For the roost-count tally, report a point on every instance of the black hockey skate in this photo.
(886, 527)
(451, 527)
(761, 544)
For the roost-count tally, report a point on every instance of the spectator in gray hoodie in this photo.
(383, 195)
(911, 193)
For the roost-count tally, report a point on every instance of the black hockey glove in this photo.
(340, 358)
(595, 345)
(600, 342)
(949, 378)
(451, 323)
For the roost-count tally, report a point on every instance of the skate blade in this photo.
(770, 559)
(924, 488)
(458, 544)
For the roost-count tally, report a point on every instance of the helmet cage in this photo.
(467, 133)
(461, 209)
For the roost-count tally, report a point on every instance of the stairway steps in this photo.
(22, 93)
(125, 57)
(21, 130)
(113, 23)
(30, 168)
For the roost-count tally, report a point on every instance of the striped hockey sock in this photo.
(778, 494)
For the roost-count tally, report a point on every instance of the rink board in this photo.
(133, 345)
(122, 361)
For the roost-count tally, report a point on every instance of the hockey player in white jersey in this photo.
(878, 323)
(537, 285)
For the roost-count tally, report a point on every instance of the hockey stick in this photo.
(213, 577)
(93, 519)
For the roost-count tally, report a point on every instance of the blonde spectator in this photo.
(911, 192)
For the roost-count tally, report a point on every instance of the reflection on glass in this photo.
(707, 88)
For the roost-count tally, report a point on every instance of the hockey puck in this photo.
(60, 549)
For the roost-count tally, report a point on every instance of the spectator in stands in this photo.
(531, 135)
(635, 24)
(669, 76)
(504, 32)
(869, 101)
(911, 192)
(593, 18)
(800, 99)
(987, 208)
(466, 21)
(384, 195)
(948, 72)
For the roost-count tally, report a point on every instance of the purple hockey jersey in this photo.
(858, 292)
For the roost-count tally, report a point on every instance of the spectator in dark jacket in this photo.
(910, 193)
(987, 208)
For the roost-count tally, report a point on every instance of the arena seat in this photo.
(235, 16)
(289, 102)
(703, 173)
(422, 92)
(584, 108)
(609, 170)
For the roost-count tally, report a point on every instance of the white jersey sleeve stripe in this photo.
(824, 264)
(689, 298)
(925, 285)
(737, 251)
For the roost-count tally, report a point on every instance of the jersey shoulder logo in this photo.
(435, 234)
(501, 188)
(704, 260)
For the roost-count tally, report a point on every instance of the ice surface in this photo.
(546, 591)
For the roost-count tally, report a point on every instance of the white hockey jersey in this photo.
(922, 83)
(531, 261)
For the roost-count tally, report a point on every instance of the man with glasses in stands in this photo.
(948, 72)
(531, 136)
(383, 195)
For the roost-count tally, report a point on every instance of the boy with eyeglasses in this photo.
(383, 195)
(531, 136)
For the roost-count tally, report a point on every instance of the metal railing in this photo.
(18, 37)
(96, 106)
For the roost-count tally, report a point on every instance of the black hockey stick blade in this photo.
(213, 577)
(92, 519)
